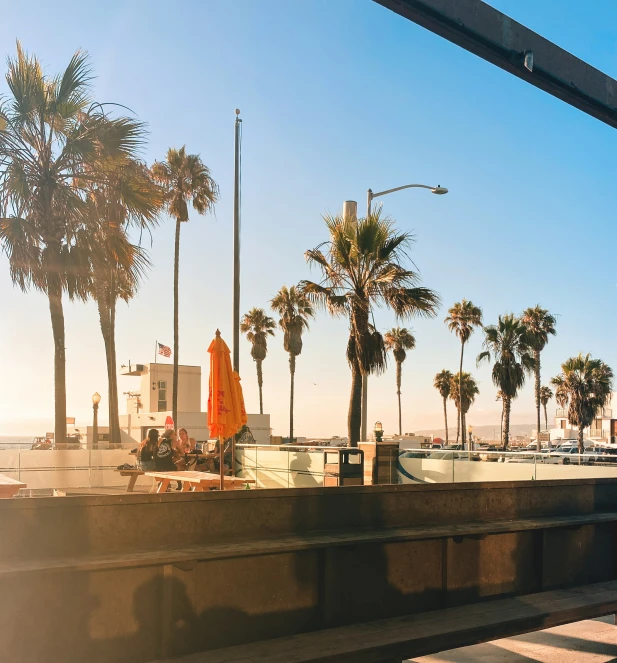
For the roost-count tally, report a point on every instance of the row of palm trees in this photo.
(514, 346)
(73, 190)
(294, 311)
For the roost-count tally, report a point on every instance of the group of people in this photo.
(173, 451)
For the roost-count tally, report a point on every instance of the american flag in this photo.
(164, 350)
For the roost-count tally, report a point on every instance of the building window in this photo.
(162, 396)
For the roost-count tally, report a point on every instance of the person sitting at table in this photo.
(146, 451)
(185, 445)
(165, 453)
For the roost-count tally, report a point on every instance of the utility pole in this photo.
(236, 297)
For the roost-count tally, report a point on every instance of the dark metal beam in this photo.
(486, 32)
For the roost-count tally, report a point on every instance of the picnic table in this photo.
(9, 487)
(133, 474)
(199, 481)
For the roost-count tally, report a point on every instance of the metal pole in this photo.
(363, 427)
(95, 425)
(236, 296)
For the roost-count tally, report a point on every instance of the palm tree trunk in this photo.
(57, 325)
(506, 422)
(545, 417)
(355, 405)
(458, 422)
(176, 280)
(292, 371)
(102, 302)
(114, 414)
(537, 358)
(260, 384)
(581, 446)
(445, 416)
(460, 396)
(398, 393)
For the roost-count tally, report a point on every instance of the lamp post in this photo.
(378, 430)
(469, 433)
(370, 195)
(96, 399)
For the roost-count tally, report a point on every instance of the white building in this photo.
(603, 429)
(152, 405)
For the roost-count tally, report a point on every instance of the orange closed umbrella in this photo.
(226, 412)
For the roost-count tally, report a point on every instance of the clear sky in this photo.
(336, 97)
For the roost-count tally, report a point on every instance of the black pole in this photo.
(236, 299)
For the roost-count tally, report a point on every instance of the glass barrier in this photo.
(290, 466)
(448, 466)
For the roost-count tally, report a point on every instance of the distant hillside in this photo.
(486, 432)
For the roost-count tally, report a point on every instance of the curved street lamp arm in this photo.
(400, 188)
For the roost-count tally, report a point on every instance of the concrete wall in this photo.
(107, 599)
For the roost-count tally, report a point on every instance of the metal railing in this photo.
(598, 432)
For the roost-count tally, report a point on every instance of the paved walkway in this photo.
(590, 641)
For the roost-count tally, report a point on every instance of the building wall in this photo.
(189, 387)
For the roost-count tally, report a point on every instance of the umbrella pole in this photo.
(221, 464)
(233, 456)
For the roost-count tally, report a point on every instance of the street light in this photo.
(437, 190)
(469, 433)
(96, 399)
(378, 430)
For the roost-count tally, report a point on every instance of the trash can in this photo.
(344, 467)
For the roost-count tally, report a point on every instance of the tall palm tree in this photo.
(126, 198)
(55, 142)
(443, 384)
(362, 266)
(545, 396)
(461, 319)
(258, 326)
(584, 386)
(507, 344)
(294, 310)
(463, 390)
(540, 325)
(186, 180)
(399, 340)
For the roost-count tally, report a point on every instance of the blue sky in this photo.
(336, 97)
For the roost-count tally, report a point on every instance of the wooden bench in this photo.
(199, 481)
(133, 474)
(283, 544)
(9, 487)
(394, 640)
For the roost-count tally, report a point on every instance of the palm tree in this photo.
(126, 198)
(294, 310)
(443, 384)
(540, 325)
(545, 396)
(258, 326)
(507, 344)
(463, 390)
(461, 319)
(584, 386)
(361, 266)
(399, 339)
(54, 144)
(186, 180)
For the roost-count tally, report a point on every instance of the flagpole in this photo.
(156, 344)
(236, 246)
